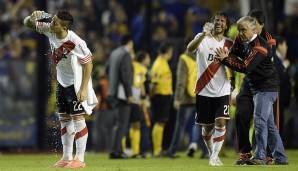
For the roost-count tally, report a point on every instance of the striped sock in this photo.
(67, 138)
(207, 139)
(81, 139)
(218, 139)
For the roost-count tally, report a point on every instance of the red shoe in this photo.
(61, 163)
(269, 161)
(243, 158)
(75, 164)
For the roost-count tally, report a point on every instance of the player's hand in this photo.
(207, 28)
(36, 14)
(221, 53)
(82, 95)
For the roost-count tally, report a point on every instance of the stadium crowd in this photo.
(103, 24)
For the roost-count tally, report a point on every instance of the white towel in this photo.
(91, 101)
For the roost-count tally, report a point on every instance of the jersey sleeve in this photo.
(82, 52)
(43, 28)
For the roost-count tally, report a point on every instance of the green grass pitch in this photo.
(100, 162)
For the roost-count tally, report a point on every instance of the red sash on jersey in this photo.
(207, 75)
(210, 71)
(62, 51)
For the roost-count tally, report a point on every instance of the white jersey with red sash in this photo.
(212, 79)
(63, 50)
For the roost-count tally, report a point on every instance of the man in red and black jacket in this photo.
(244, 104)
(253, 57)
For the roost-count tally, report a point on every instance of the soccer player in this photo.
(73, 62)
(161, 92)
(254, 59)
(140, 65)
(213, 86)
(245, 106)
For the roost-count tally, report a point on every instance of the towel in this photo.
(91, 101)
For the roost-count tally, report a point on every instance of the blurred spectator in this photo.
(120, 76)
(282, 64)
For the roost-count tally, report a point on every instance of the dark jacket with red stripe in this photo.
(254, 59)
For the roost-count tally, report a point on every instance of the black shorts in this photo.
(67, 102)
(137, 114)
(211, 108)
(161, 106)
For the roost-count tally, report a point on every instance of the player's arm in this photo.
(86, 69)
(194, 44)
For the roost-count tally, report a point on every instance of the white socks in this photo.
(81, 138)
(67, 137)
(218, 139)
(207, 139)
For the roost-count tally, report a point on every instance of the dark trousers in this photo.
(244, 116)
(120, 127)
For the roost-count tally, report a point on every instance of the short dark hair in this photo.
(258, 14)
(141, 55)
(125, 39)
(66, 17)
(164, 47)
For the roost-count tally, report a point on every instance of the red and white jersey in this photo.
(212, 79)
(62, 52)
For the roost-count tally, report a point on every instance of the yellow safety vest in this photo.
(192, 74)
(139, 72)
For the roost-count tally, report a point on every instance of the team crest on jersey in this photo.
(62, 51)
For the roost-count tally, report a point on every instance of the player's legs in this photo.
(81, 137)
(81, 132)
(157, 138)
(135, 137)
(135, 129)
(218, 137)
(161, 110)
(221, 112)
(205, 118)
(196, 138)
(207, 131)
(67, 127)
(67, 138)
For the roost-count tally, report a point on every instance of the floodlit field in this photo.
(100, 162)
